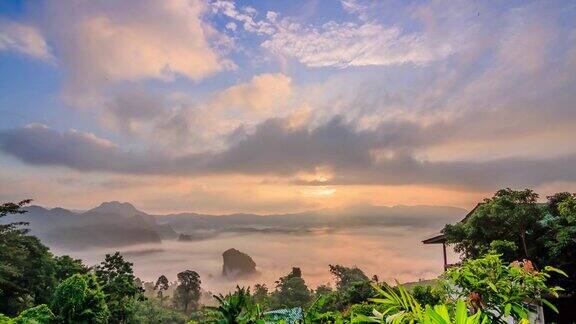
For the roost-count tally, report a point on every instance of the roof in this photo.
(288, 315)
(438, 239)
(435, 240)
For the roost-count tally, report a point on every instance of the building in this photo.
(440, 239)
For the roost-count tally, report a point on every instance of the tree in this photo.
(510, 217)
(116, 277)
(291, 291)
(236, 308)
(149, 311)
(13, 208)
(79, 299)
(323, 290)
(512, 224)
(560, 239)
(261, 296)
(161, 285)
(555, 200)
(345, 276)
(428, 295)
(26, 265)
(187, 292)
(352, 286)
(36, 315)
(65, 267)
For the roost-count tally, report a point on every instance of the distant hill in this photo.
(417, 217)
(117, 224)
(110, 224)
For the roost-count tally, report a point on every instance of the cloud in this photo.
(245, 16)
(354, 156)
(37, 144)
(337, 44)
(24, 39)
(130, 111)
(102, 43)
(187, 125)
(262, 92)
(349, 44)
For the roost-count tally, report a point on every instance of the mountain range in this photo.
(118, 224)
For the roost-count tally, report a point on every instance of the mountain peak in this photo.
(116, 207)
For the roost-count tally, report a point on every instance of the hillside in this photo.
(119, 224)
(108, 225)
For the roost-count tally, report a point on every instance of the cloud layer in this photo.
(127, 42)
(367, 95)
(353, 157)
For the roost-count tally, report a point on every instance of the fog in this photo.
(389, 252)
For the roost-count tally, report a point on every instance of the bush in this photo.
(151, 312)
(79, 299)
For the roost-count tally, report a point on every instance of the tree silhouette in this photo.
(187, 292)
(161, 285)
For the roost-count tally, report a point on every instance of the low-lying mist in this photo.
(388, 252)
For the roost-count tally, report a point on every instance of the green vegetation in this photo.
(513, 248)
(515, 225)
(29, 273)
(237, 307)
(79, 299)
(188, 291)
(118, 283)
(291, 291)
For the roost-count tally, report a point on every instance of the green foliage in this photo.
(346, 277)
(40, 314)
(152, 312)
(27, 267)
(428, 294)
(321, 310)
(79, 299)
(261, 296)
(322, 290)
(501, 289)
(236, 308)
(13, 208)
(187, 292)
(315, 315)
(515, 226)
(291, 291)
(399, 306)
(161, 286)
(488, 288)
(511, 217)
(560, 241)
(352, 287)
(116, 277)
(65, 267)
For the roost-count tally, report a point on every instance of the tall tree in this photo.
(79, 299)
(510, 219)
(261, 296)
(118, 282)
(560, 240)
(345, 276)
(513, 224)
(187, 292)
(291, 291)
(161, 285)
(65, 267)
(26, 265)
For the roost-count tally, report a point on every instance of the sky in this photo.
(282, 106)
